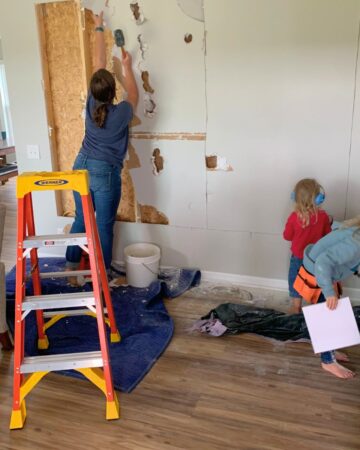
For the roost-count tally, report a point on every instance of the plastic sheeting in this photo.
(266, 322)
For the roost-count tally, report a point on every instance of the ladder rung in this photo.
(69, 273)
(55, 240)
(58, 301)
(69, 313)
(64, 361)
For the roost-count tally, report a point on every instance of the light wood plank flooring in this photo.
(237, 392)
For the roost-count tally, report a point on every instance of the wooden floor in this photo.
(237, 392)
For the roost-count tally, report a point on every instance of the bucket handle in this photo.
(148, 268)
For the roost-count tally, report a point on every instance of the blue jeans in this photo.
(105, 189)
(295, 264)
(326, 357)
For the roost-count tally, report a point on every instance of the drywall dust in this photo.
(157, 162)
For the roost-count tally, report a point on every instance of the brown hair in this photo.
(305, 192)
(103, 89)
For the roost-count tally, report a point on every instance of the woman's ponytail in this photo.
(99, 115)
(103, 89)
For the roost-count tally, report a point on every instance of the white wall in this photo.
(280, 83)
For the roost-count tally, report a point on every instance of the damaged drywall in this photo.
(216, 162)
(148, 101)
(149, 214)
(188, 38)
(138, 16)
(142, 48)
(157, 162)
(128, 202)
(146, 82)
(133, 161)
(149, 106)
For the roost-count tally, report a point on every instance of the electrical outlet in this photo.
(33, 152)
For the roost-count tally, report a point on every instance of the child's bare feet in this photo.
(338, 370)
(340, 356)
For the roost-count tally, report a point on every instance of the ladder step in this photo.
(64, 361)
(69, 313)
(69, 273)
(55, 240)
(58, 301)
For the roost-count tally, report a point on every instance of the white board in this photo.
(331, 329)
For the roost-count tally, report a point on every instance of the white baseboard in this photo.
(244, 280)
(265, 283)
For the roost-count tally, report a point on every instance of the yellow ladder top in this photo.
(75, 180)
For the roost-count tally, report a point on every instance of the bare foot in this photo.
(72, 280)
(338, 370)
(340, 356)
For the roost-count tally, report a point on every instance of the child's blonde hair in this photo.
(305, 193)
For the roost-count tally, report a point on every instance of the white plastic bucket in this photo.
(141, 264)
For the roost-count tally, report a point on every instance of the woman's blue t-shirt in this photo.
(110, 142)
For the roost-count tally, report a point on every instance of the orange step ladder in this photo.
(95, 366)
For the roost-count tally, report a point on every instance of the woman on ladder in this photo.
(104, 147)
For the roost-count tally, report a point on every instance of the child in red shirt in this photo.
(306, 225)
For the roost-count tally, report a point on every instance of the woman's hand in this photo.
(98, 19)
(331, 302)
(127, 60)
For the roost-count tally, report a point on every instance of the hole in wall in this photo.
(146, 83)
(188, 38)
(216, 162)
(157, 162)
(149, 214)
(211, 162)
(137, 14)
(149, 106)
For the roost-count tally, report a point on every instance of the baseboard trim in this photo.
(242, 280)
(265, 283)
(245, 280)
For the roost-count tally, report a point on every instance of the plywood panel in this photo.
(68, 65)
(280, 84)
(66, 82)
